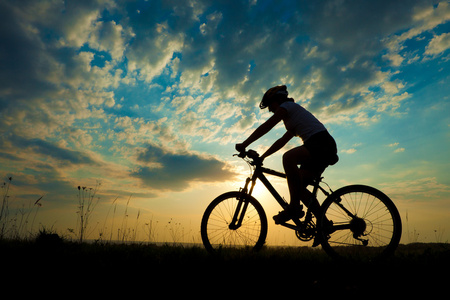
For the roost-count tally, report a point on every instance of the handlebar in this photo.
(252, 154)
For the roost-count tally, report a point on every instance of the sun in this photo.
(258, 190)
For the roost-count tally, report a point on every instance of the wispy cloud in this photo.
(438, 45)
(397, 148)
(349, 151)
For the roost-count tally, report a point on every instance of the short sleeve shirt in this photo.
(301, 122)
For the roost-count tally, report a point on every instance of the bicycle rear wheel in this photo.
(359, 222)
(216, 231)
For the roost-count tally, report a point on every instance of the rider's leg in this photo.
(291, 159)
(306, 177)
(299, 179)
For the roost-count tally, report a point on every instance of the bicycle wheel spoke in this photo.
(216, 229)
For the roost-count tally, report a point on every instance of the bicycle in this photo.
(356, 221)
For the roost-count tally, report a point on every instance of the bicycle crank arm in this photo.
(299, 225)
(290, 226)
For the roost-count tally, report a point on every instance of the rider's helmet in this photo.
(275, 93)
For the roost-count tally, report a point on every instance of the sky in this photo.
(142, 102)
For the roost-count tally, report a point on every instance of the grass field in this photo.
(58, 267)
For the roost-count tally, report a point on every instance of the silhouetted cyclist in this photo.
(318, 151)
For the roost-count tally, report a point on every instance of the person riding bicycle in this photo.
(318, 151)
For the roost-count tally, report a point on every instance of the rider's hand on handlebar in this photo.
(240, 147)
(257, 161)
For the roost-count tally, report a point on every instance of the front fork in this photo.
(242, 205)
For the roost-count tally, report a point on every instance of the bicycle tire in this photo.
(215, 231)
(375, 238)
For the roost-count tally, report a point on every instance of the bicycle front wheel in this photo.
(359, 222)
(216, 231)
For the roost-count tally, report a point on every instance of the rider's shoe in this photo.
(282, 217)
(289, 213)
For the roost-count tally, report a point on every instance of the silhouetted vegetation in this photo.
(183, 270)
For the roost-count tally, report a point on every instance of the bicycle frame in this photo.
(259, 174)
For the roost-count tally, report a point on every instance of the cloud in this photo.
(328, 54)
(422, 189)
(439, 44)
(36, 151)
(40, 167)
(349, 151)
(162, 170)
(422, 18)
(47, 82)
(50, 150)
(110, 37)
(397, 148)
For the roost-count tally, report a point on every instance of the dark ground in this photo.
(60, 268)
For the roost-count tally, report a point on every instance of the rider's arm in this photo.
(278, 144)
(265, 127)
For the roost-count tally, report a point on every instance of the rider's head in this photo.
(277, 93)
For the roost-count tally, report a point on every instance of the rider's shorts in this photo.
(323, 149)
